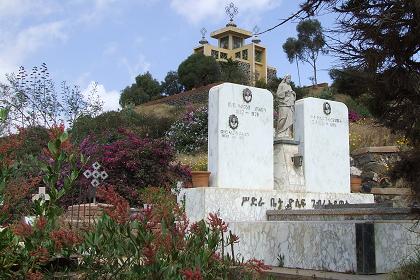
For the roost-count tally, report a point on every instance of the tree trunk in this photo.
(297, 65)
(315, 80)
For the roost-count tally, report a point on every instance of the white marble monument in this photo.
(244, 184)
(321, 127)
(240, 137)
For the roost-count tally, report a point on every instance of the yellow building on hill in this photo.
(252, 57)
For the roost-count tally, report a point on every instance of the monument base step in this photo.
(341, 214)
(284, 273)
(360, 247)
(252, 205)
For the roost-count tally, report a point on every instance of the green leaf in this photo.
(52, 148)
(64, 137)
(3, 114)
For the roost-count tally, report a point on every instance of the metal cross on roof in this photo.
(203, 32)
(41, 195)
(256, 29)
(231, 11)
(203, 40)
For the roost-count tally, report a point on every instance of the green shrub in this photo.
(327, 93)
(408, 271)
(189, 134)
(159, 243)
(357, 107)
(144, 125)
(134, 163)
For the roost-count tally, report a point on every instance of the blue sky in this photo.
(111, 42)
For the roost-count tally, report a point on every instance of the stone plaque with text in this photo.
(240, 137)
(322, 129)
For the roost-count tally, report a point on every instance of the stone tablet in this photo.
(240, 137)
(322, 128)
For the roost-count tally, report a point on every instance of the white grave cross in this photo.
(41, 195)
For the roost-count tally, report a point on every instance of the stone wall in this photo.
(374, 164)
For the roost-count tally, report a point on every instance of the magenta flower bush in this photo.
(354, 116)
(134, 163)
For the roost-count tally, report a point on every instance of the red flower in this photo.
(40, 254)
(216, 256)
(256, 265)
(34, 275)
(120, 212)
(217, 223)
(192, 274)
(233, 238)
(150, 253)
(41, 222)
(65, 237)
(22, 229)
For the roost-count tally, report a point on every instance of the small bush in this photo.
(134, 163)
(357, 107)
(189, 134)
(143, 124)
(327, 93)
(408, 271)
(353, 116)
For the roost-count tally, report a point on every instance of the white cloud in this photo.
(15, 48)
(98, 12)
(198, 10)
(140, 65)
(110, 98)
(20, 8)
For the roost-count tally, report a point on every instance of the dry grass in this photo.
(367, 133)
(159, 110)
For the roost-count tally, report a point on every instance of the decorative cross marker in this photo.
(41, 195)
(256, 29)
(203, 32)
(203, 40)
(97, 176)
(231, 11)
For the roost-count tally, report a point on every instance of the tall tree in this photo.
(380, 57)
(198, 70)
(171, 84)
(293, 49)
(145, 88)
(232, 72)
(308, 45)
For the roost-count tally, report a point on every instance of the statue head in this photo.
(287, 79)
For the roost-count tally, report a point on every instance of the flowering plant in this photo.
(27, 249)
(156, 242)
(196, 163)
(159, 242)
(189, 134)
(354, 116)
(134, 163)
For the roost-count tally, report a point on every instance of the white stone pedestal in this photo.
(287, 176)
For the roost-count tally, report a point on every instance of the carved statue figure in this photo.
(286, 107)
